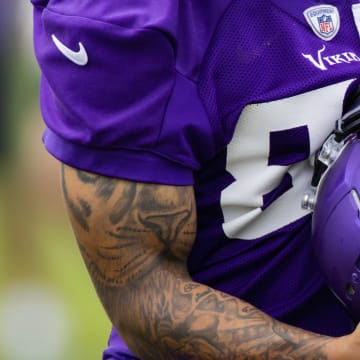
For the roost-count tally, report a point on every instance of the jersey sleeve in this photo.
(111, 96)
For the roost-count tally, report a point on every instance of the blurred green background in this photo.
(48, 307)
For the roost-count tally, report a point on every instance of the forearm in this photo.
(175, 318)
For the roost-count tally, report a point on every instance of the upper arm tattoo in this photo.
(140, 225)
(135, 239)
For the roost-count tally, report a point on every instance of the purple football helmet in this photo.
(334, 196)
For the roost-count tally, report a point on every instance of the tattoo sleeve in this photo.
(135, 239)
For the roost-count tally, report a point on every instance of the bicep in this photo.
(127, 230)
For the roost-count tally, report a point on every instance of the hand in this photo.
(345, 347)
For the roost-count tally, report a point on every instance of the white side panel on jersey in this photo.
(248, 154)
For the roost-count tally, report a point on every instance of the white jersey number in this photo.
(249, 151)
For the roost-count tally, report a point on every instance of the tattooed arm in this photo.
(135, 239)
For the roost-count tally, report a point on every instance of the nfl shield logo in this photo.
(324, 20)
(326, 24)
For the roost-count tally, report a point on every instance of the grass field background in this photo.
(48, 307)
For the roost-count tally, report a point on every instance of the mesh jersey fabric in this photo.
(232, 97)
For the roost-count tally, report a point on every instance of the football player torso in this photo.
(275, 79)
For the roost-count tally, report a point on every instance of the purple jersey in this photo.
(232, 97)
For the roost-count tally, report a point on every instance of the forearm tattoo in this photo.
(135, 239)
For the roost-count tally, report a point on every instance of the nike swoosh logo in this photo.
(79, 57)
